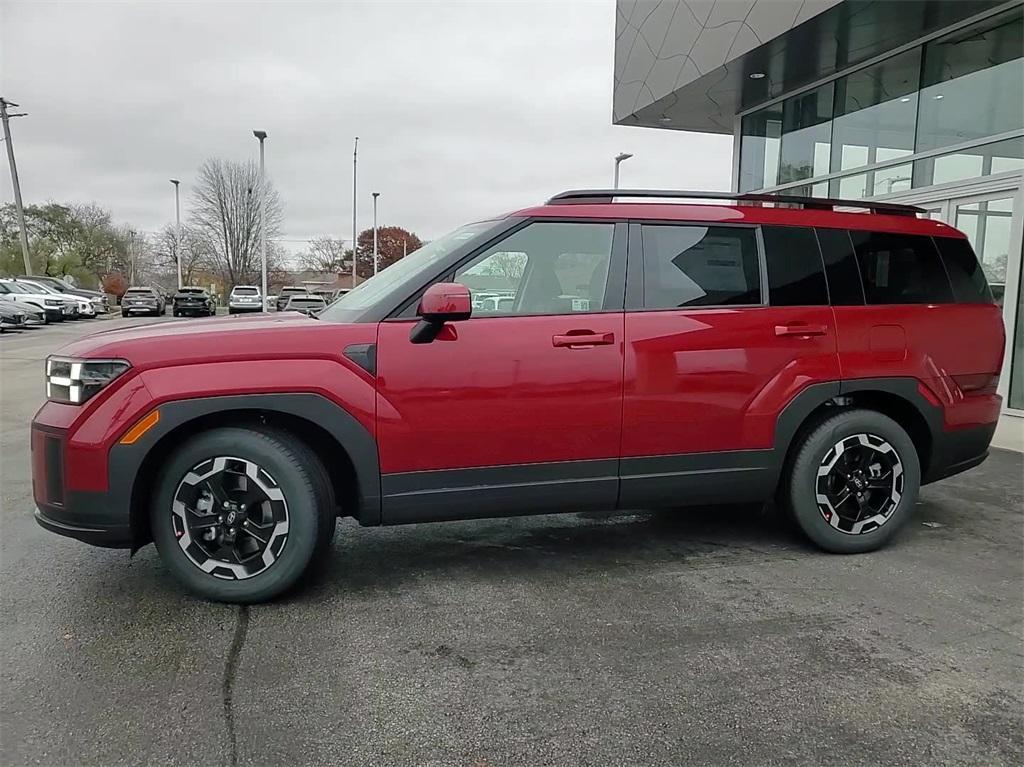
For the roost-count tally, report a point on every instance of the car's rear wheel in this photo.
(854, 481)
(239, 514)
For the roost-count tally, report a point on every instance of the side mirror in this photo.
(442, 302)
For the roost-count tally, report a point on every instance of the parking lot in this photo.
(705, 636)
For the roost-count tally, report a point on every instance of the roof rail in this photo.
(592, 196)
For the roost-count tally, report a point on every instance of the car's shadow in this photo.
(371, 559)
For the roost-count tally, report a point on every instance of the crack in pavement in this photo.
(230, 669)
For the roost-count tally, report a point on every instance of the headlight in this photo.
(74, 381)
(52, 302)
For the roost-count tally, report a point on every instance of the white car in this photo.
(83, 306)
(55, 308)
(245, 298)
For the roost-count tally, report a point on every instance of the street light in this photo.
(355, 234)
(376, 260)
(618, 161)
(177, 229)
(262, 135)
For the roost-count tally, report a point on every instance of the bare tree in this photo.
(326, 254)
(226, 215)
(195, 250)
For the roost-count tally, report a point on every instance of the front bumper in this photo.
(97, 518)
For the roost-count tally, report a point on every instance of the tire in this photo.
(124, 313)
(302, 497)
(885, 469)
(175, 313)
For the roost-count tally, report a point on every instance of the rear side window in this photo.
(844, 287)
(700, 266)
(900, 269)
(795, 274)
(965, 273)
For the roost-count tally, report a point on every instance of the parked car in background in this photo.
(142, 300)
(245, 298)
(82, 307)
(310, 304)
(33, 314)
(98, 299)
(55, 308)
(286, 293)
(193, 301)
(12, 316)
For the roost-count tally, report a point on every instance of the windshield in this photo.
(191, 290)
(306, 302)
(245, 291)
(16, 288)
(366, 294)
(38, 287)
(292, 291)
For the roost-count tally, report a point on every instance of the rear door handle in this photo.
(578, 339)
(800, 330)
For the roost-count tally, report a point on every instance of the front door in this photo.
(517, 410)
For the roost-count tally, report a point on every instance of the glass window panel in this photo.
(894, 179)
(545, 268)
(796, 275)
(987, 226)
(1017, 353)
(851, 187)
(998, 157)
(700, 266)
(900, 269)
(973, 83)
(759, 149)
(875, 111)
(806, 135)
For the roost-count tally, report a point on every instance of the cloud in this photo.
(463, 110)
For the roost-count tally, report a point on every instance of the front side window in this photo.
(544, 268)
(900, 269)
(688, 266)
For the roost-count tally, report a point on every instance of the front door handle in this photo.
(797, 329)
(579, 339)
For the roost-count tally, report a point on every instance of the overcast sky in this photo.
(463, 110)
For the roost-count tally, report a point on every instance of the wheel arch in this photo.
(897, 398)
(346, 447)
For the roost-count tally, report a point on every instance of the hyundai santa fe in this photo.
(646, 353)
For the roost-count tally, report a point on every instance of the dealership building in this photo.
(913, 101)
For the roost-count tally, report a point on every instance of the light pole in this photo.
(618, 161)
(177, 229)
(262, 136)
(19, 207)
(355, 234)
(376, 260)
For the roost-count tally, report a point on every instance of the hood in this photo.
(221, 339)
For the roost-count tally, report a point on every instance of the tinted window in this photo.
(900, 269)
(795, 275)
(139, 292)
(965, 273)
(544, 268)
(700, 266)
(844, 287)
(245, 291)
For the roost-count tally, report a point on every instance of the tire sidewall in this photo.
(300, 495)
(804, 476)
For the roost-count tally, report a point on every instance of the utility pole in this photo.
(355, 234)
(262, 136)
(177, 229)
(19, 206)
(376, 260)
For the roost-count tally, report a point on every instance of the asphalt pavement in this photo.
(705, 637)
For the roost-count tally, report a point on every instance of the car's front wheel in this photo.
(853, 482)
(239, 514)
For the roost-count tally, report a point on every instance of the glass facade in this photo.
(960, 88)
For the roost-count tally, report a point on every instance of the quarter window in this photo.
(795, 276)
(900, 269)
(965, 273)
(700, 266)
(544, 268)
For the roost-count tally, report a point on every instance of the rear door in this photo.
(718, 341)
(518, 409)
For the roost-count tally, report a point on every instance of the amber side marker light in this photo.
(146, 423)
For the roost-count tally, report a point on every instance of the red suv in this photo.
(586, 354)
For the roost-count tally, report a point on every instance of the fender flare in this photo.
(125, 461)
